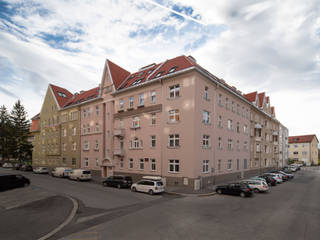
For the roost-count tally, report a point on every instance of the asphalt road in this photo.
(289, 211)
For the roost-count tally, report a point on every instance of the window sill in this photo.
(86, 150)
(207, 99)
(141, 148)
(173, 122)
(173, 98)
(134, 128)
(177, 147)
(209, 147)
(96, 150)
(207, 124)
(173, 172)
(140, 106)
(121, 110)
(130, 108)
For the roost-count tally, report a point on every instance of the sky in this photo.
(267, 46)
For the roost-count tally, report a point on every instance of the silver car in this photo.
(257, 185)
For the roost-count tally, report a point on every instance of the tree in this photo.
(20, 131)
(5, 129)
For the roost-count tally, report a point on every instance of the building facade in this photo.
(174, 119)
(283, 146)
(304, 149)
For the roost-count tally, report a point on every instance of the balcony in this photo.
(258, 139)
(119, 132)
(118, 152)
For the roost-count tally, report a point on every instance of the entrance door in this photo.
(104, 171)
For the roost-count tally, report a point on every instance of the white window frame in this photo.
(206, 141)
(205, 166)
(131, 102)
(174, 115)
(153, 164)
(174, 140)
(86, 145)
(206, 117)
(174, 91)
(229, 165)
(153, 96)
(131, 163)
(141, 164)
(121, 104)
(135, 122)
(153, 141)
(174, 166)
(141, 99)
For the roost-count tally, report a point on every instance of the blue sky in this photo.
(254, 45)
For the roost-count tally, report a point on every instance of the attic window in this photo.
(136, 81)
(62, 94)
(132, 76)
(140, 74)
(172, 69)
(90, 97)
(150, 71)
(159, 74)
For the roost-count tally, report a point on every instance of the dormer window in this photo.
(172, 69)
(159, 74)
(62, 94)
(136, 81)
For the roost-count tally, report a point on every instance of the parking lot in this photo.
(289, 210)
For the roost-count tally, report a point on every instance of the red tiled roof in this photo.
(251, 96)
(118, 74)
(34, 125)
(301, 139)
(272, 110)
(61, 99)
(261, 97)
(154, 71)
(268, 99)
(82, 97)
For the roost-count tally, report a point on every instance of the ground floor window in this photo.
(73, 161)
(97, 162)
(238, 164)
(153, 164)
(219, 165)
(205, 166)
(86, 162)
(174, 166)
(130, 163)
(64, 160)
(121, 163)
(141, 164)
(229, 164)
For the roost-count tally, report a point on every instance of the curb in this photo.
(191, 194)
(65, 223)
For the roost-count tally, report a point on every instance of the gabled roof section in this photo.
(118, 74)
(62, 95)
(261, 99)
(154, 71)
(82, 97)
(302, 139)
(251, 96)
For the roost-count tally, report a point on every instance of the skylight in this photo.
(172, 69)
(136, 81)
(62, 94)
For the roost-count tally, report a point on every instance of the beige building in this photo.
(304, 149)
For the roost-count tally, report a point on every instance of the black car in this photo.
(270, 180)
(241, 189)
(26, 168)
(118, 181)
(10, 181)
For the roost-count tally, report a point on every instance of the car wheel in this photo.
(242, 194)
(26, 184)
(78, 179)
(219, 191)
(256, 190)
(151, 192)
(118, 186)
(133, 189)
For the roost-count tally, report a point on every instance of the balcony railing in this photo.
(119, 132)
(118, 152)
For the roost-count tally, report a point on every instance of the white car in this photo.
(40, 170)
(61, 172)
(148, 186)
(7, 165)
(276, 177)
(80, 174)
(257, 185)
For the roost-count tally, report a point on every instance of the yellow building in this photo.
(304, 149)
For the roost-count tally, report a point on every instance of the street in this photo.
(289, 211)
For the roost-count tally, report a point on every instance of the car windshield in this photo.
(159, 183)
(128, 178)
(86, 172)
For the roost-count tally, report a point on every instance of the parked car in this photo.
(270, 180)
(7, 165)
(41, 170)
(259, 178)
(61, 172)
(10, 181)
(118, 181)
(293, 168)
(26, 168)
(241, 189)
(283, 176)
(148, 186)
(80, 174)
(257, 185)
(289, 175)
(276, 176)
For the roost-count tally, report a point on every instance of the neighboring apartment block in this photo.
(173, 119)
(283, 146)
(304, 149)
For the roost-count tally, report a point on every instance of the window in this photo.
(88, 111)
(97, 162)
(206, 93)
(96, 147)
(153, 97)
(245, 146)
(121, 163)
(136, 143)
(245, 129)
(73, 116)
(86, 162)
(141, 165)
(174, 140)
(131, 100)
(258, 148)
(238, 127)
(64, 160)
(238, 164)
(174, 166)
(97, 127)
(205, 166)
(304, 153)
(229, 144)
(130, 163)
(220, 100)
(84, 129)
(220, 143)
(295, 153)
(219, 165)
(206, 117)
(141, 99)
(238, 145)
(171, 70)
(74, 146)
(73, 161)
(153, 165)
(153, 119)
(220, 122)
(227, 103)
(159, 74)
(135, 122)
(205, 141)
(121, 123)
(88, 128)
(229, 165)
(64, 147)
(86, 145)
(121, 104)
(64, 132)
(97, 110)
(174, 115)
(74, 131)
(174, 91)
(238, 109)
(153, 141)
(229, 124)
(245, 163)
(232, 106)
